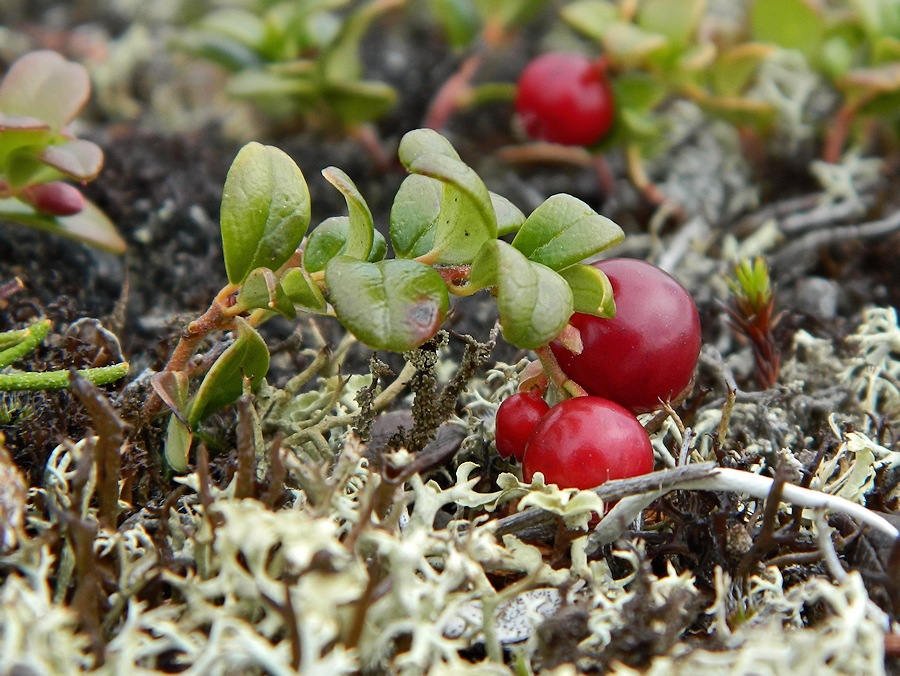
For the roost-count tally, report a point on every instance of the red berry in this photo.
(516, 417)
(55, 198)
(645, 353)
(565, 98)
(586, 441)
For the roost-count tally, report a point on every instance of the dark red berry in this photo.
(648, 351)
(565, 98)
(586, 441)
(55, 198)
(516, 417)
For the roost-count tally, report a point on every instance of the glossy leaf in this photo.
(590, 17)
(535, 302)
(265, 210)
(172, 388)
(46, 86)
(466, 219)
(792, 24)
(563, 231)
(592, 293)
(509, 216)
(394, 304)
(355, 102)
(78, 159)
(420, 142)
(361, 229)
(246, 357)
(414, 215)
(303, 291)
(179, 438)
(90, 225)
(263, 291)
(329, 239)
(676, 20)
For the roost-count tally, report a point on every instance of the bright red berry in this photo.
(516, 417)
(647, 352)
(586, 441)
(565, 98)
(55, 198)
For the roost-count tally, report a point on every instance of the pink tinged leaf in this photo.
(21, 123)
(82, 160)
(46, 86)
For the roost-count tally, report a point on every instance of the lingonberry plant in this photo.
(299, 59)
(40, 95)
(647, 351)
(565, 98)
(444, 229)
(586, 441)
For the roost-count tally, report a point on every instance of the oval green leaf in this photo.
(361, 229)
(420, 142)
(265, 210)
(564, 231)
(591, 290)
(246, 357)
(393, 305)
(330, 239)
(414, 215)
(262, 290)
(535, 302)
(509, 216)
(302, 291)
(44, 85)
(466, 219)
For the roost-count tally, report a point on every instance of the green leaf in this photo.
(466, 219)
(676, 20)
(45, 86)
(535, 302)
(329, 239)
(590, 17)
(509, 216)
(393, 305)
(792, 24)
(172, 388)
(420, 142)
(90, 225)
(361, 225)
(592, 292)
(262, 290)
(246, 357)
(732, 71)
(340, 60)
(303, 291)
(414, 215)
(265, 210)
(78, 159)
(563, 231)
(179, 438)
(356, 102)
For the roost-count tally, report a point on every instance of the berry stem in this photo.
(556, 375)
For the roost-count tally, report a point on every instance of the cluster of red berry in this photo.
(629, 364)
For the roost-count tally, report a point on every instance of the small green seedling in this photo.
(445, 229)
(296, 58)
(15, 345)
(40, 95)
(753, 315)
